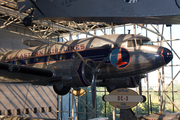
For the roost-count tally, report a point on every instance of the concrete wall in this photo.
(24, 99)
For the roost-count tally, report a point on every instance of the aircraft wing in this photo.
(10, 73)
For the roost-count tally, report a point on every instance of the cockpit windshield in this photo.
(143, 42)
(135, 42)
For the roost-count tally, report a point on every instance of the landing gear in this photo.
(61, 89)
(144, 98)
(111, 88)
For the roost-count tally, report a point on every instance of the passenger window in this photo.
(18, 62)
(131, 43)
(74, 55)
(38, 59)
(51, 58)
(8, 62)
(62, 57)
(27, 61)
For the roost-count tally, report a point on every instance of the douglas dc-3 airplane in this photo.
(115, 61)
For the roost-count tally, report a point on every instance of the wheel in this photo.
(111, 88)
(144, 98)
(61, 89)
(103, 98)
(27, 20)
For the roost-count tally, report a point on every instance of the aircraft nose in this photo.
(167, 54)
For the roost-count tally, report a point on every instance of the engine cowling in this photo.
(128, 82)
(74, 72)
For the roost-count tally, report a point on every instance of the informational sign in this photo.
(123, 98)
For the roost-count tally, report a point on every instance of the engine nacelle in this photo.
(127, 82)
(74, 72)
(133, 81)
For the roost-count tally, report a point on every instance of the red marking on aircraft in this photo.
(120, 62)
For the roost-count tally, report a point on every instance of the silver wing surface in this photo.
(10, 73)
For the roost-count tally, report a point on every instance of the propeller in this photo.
(140, 88)
(93, 90)
(95, 71)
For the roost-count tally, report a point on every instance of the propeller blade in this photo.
(102, 62)
(140, 88)
(93, 90)
(94, 71)
(79, 55)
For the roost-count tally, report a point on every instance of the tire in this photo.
(61, 89)
(111, 88)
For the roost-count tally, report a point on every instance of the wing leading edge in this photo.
(10, 73)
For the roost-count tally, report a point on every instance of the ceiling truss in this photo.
(45, 29)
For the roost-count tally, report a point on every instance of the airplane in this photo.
(109, 11)
(111, 61)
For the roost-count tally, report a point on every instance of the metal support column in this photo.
(163, 84)
(112, 31)
(105, 101)
(69, 105)
(147, 91)
(77, 100)
(172, 69)
(159, 78)
(72, 107)
(124, 29)
(114, 113)
(59, 107)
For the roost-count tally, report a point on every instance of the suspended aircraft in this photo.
(111, 61)
(110, 11)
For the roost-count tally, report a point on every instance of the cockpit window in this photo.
(143, 42)
(131, 43)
